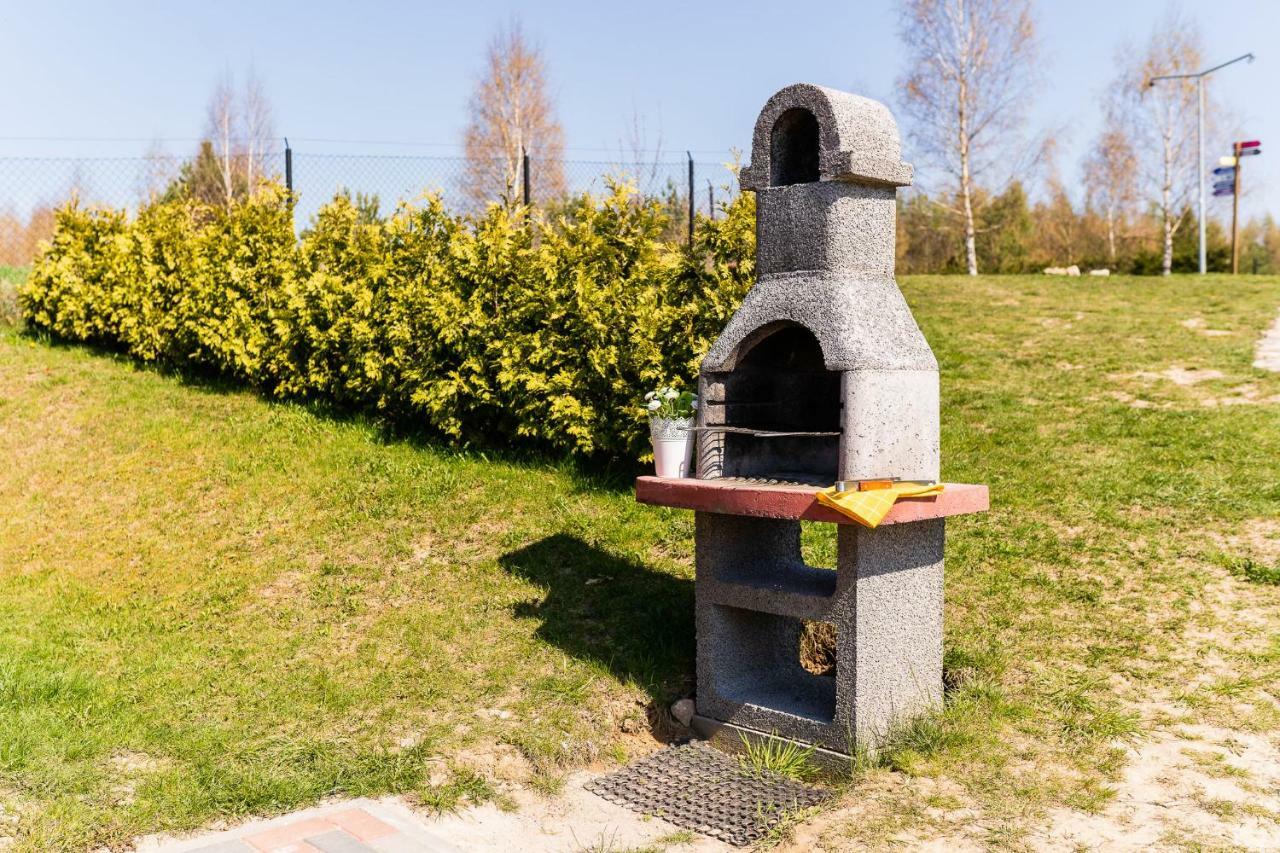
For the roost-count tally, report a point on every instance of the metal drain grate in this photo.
(698, 787)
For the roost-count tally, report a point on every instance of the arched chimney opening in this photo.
(793, 148)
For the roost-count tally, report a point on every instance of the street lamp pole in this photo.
(1199, 78)
(1204, 264)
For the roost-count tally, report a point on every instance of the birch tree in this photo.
(511, 112)
(1111, 179)
(972, 69)
(1168, 121)
(259, 129)
(222, 127)
(239, 130)
(157, 171)
(637, 156)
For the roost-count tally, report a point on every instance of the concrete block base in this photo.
(884, 599)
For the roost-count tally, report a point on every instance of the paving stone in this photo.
(354, 826)
(289, 833)
(404, 844)
(339, 841)
(233, 846)
(362, 825)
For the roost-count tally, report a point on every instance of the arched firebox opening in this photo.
(782, 409)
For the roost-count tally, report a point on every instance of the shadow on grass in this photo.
(614, 612)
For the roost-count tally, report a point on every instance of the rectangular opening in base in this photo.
(764, 553)
(756, 661)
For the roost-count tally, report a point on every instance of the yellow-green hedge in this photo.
(510, 325)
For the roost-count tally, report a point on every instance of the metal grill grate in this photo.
(785, 478)
(698, 787)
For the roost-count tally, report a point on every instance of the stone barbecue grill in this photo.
(822, 375)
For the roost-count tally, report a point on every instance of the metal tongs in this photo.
(871, 484)
(866, 484)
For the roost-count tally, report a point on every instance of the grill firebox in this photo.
(780, 407)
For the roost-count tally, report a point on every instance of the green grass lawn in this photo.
(10, 278)
(214, 606)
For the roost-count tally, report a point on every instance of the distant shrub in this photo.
(510, 325)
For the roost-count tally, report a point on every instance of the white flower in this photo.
(670, 393)
(651, 395)
(654, 405)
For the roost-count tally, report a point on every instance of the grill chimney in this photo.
(822, 374)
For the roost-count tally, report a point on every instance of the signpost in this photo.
(1250, 148)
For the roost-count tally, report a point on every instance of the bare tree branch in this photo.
(512, 112)
(259, 129)
(223, 126)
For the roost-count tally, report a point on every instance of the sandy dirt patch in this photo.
(574, 820)
(1200, 327)
(1267, 355)
(1188, 786)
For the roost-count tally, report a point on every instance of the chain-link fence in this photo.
(31, 189)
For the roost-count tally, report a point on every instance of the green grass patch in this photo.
(1250, 569)
(214, 606)
(11, 278)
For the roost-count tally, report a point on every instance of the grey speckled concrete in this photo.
(890, 425)
(862, 323)
(858, 138)
(753, 593)
(823, 342)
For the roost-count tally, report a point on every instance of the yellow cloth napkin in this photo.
(869, 508)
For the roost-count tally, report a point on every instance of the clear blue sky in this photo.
(402, 72)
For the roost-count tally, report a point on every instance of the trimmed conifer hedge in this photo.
(513, 324)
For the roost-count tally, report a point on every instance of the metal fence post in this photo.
(690, 156)
(288, 168)
(711, 200)
(528, 195)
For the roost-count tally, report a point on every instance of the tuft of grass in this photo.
(464, 788)
(1214, 763)
(1092, 796)
(778, 756)
(910, 747)
(1085, 714)
(1253, 570)
(547, 783)
(672, 839)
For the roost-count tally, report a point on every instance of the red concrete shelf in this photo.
(798, 502)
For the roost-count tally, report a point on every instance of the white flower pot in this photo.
(672, 446)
